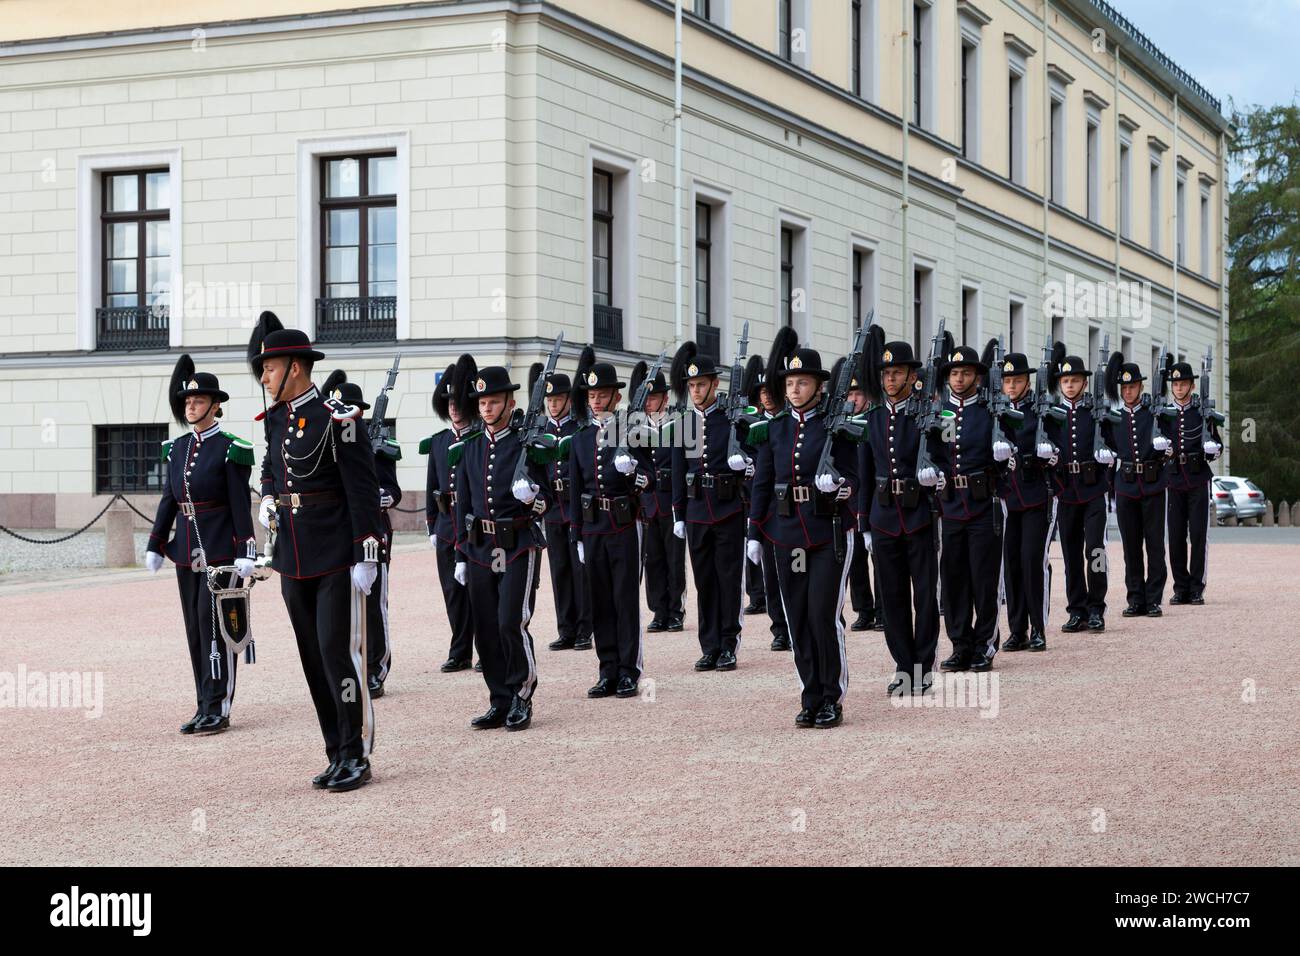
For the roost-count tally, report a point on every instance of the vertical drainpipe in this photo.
(677, 170)
(1177, 224)
(1119, 196)
(1222, 384)
(906, 113)
(1047, 162)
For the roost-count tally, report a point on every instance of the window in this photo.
(1058, 328)
(1126, 347)
(702, 9)
(1056, 167)
(1016, 325)
(969, 101)
(707, 327)
(922, 308)
(358, 276)
(785, 29)
(1125, 193)
(970, 315)
(862, 283)
(1016, 126)
(855, 45)
(1155, 204)
(135, 244)
(1094, 345)
(862, 48)
(607, 320)
(1155, 364)
(920, 18)
(1180, 214)
(787, 276)
(1205, 231)
(1094, 172)
(127, 458)
(794, 298)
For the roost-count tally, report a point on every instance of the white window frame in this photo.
(1059, 134)
(310, 150)
(624, 238)
(926, 119)
(1126, 347)
(871, 279)
(1155, 163)
(1094, 343)
(976, 322)
(1017, 73)
(720, 297)
(869, 59)
(1060, 331)
(1016, 333)
(90, 167)
(1092, 156)
(800, 19)
(929, 293)
(1205, 215)
(801, 253)
(1180, 214)
(721, 12)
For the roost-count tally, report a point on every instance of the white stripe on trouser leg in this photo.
(230, 680)
(994, 642)
(525, 615)
(1002, 562)
(1205, 564)
(740, 617)
(386, 637)
(839, 618)
(789, 623)
(357, 649)
(640, 634)
(1047, 566)
(938, 567)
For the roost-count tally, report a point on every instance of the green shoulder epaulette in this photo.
(563, 448)
(454, 452)
(166, 449)
(757, 433)
(239, 451)
(390, 449)
(543, 456)
(425, 444)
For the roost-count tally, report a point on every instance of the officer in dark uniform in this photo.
(1141, 451)
(1193, 446)
(452, 403)
(755, 584)
(901, 534)
(568, 582)
(499, 547)
(761, 398)
(1082, 479)
(970, 558)
(710, 512)
(319, 489)
(379, 647)
(807, 516)
(208, 474)
(665, 553)
(604, 502)
(1029, 512)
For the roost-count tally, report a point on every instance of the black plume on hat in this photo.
(949, 346)
(753, 379)
(336, 378)
(784, 344)
(442, 393)
(267, 323)
(872, 362)
(677, 371)
(181, 375)
(463, 390)
(638, 375)
(534, 372)
(1054, 374)
(989, 353)
(1113, 366)
(836, 369)
(581, 411)
(1163, 373)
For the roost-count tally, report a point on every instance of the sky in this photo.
(1246, 51)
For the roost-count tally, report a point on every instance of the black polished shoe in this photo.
(211, 724)
(602, 688)
(494, 717)
(879, 624)
(1016, 642)
(188, 726)
(780, 643)
(805, 718)
(1154, 611)
(478, 667)
(726, 661)
(1037, 641)
(981, 662)
(1073, 625)
(1135, 610)
(707, 663)
(830, 715)
(560, 644)
(676, 622)
(582, 644)
(927, 682)
(1196, 599)
(1179, 598)
(322, 778)
(864, 622)
(626, 687)
(375, 686)
(897, 687)
(756, 607)
(451, 665)
(1096, 622)
(351, 774)
(521, 714)
(960, 661)
(657, 625)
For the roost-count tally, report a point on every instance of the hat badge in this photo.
(853, 383)
(480, 385)
(1177, 374)
(887, 355)
(591, 378)
(1128, 376)
(1066, 367)
(550, 387)
(1008, 367)
(692, 369)
(337, 393)
(193, 385)
(794, 362)
(954, 357)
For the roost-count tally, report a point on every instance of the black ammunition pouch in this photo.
(907, 491)
(1088, 471)
(444, 500)
(728, 486)
(978, 485)
(1192, 461)
(1146, 470)
(504, 531)
(622, 510)
(663, 479)
(789, 497)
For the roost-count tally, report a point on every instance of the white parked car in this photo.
(1246, 497)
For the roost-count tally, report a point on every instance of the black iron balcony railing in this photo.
(123, 328)
(370, 319)
(708, 338)
(607, 327)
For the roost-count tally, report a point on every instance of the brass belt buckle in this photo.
(295, 500)
(603, 504)
(961, 481)
(489, 527)
(187, 509)
(898, 486)
(801, 493)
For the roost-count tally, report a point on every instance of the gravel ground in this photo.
(86, 550)
(1158, 742)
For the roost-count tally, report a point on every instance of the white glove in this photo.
(1046, 450)
(460, 572)
(826, 484)
(942, 483)
(582, 554)
(433, 541)
(738, 462)
(385, 499)
(153, 561)
(754, 551)
(524, 490)
(866, 541)
(244, 567)
(1104, 456)
(928, 477)
(1002, 450)
(749, 469)
(1160, 443)
(1211, 447)
(363, 576)
(679, 529)
(266, 512)
(625, 464)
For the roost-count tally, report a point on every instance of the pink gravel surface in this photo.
(1158, 742)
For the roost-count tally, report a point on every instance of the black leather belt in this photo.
(559, 484)
(309, 499)
(191, 508)
(490, 526)
(664, 476)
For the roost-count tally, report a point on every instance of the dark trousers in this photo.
(860, 581)
(503, 603)
(568, 585)
(811, 586)
(1189, 517)
(772, 588)
(456, 598)
(908, 570)
(717, 553)
(1083, 550)
(211, 658)
(970, 562)
(1142, 527)
(665, 569)
(613, 566)
(379, 648)
(328, 617)
(1026, 571)
(755, 585)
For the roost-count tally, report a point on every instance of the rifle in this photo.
(1203, 400)
(735, 406)
(636, 411)
(1044, 405)
(378, 430)
(1096, 402)
(926, 407)
(999, 404)
(532, 433)
(839, 423)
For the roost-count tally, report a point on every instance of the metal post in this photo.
(677, 170)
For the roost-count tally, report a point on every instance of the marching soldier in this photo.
(864, 605)
(665, 553)
(901, 534)
(604, 502)
(1081, 478)
(498, 549)
(709, 511)
(452, 403)
(806, 515)
(379, 647)
(319, 489)
(761, 398)
(1194, 446)
(1029, 512)
(755, 584)
(207, 484)
(1140, 482)
(568, 582)
(970, 557)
